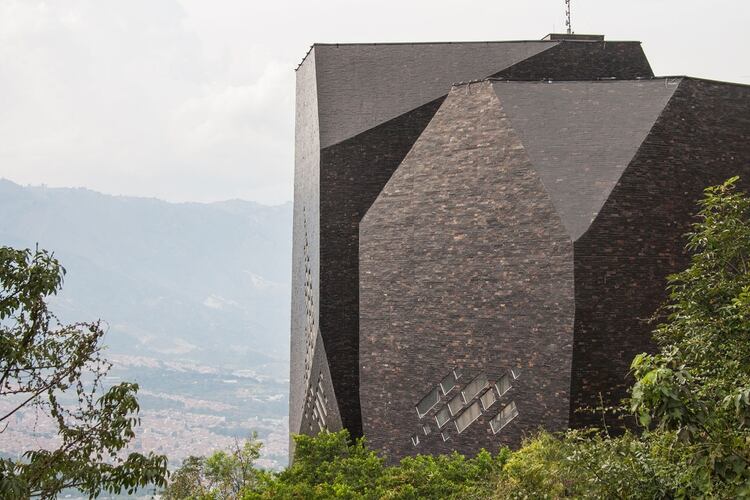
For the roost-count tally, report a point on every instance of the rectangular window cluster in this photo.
(468, 416)
(504, 417)
(428, 402)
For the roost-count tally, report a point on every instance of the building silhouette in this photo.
(474, 261)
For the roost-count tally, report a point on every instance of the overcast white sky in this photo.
(192, 100)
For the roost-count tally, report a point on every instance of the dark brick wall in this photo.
(306, 229)
(353, 174)
(331, 418)
(464, 264)
(350, 174)
(701, 138)
(583, 61)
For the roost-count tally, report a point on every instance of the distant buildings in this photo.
(470, 268)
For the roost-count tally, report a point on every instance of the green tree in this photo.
(698, 386)
(330, 465)
(223, 475)
(692, 398)
(57, 370)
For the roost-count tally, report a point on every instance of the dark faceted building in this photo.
(473, 267)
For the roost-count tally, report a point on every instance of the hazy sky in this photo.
(193, 99)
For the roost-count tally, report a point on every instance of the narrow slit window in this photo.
(474, 387)
(321, 410)
(428, 402)
(427, 429)
(488, 399)
(449, 382)
(414, 439)
(503, 385)
(445, 436)
(443, 416)
(504, 417)
(456, 404)
(468, 416)
(322, 404)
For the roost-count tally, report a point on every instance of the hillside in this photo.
(196, 297)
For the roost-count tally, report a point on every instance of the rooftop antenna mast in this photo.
(567, 17)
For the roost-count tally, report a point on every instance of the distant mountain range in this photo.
(196, 297)
(189, 282)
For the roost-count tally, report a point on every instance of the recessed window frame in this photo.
(435, 391)
(474, 388)
(502, 419)
(456, 409)
(443, 414)
(452, 379)
(462, 425)
(485, 396)
(503, 384)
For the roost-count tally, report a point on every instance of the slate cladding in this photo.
(465, 259)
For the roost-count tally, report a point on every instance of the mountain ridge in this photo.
(191, 281)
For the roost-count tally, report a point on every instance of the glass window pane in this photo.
(468, 416)
(504, 417)
(456, 404)
(474, 387)
(448, 382)
(428, 402)
(488, 399)
(443, 416)
(503, 385)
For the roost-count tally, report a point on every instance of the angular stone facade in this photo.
(465, 265)
(484, 253)
(529, 231)
(360, 107)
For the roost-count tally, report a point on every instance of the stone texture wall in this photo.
(337, 181)
(701, 138)
(354, 173)
(464, 264)
(306, 236)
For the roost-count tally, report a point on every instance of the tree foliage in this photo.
(692, 398)
(330, 465)
(223, 475)
(58, 370)
(698, 386)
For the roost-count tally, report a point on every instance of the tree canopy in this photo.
(58, 371)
